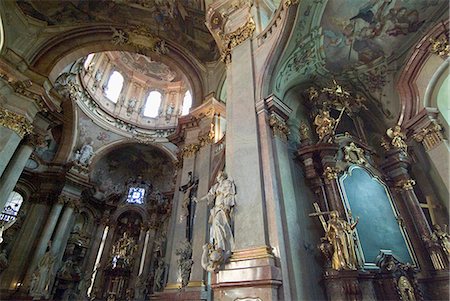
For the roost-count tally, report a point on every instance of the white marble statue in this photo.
(42, 277)
(221, 197)
(84, 155)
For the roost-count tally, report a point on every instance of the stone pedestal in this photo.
(342, 285)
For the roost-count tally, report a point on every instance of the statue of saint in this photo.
(123, 249)
(443, 238)
(221, 197)
(340, 235)
(85, 153)
(43, 276)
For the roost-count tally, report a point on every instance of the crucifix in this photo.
(190, 190)
(430, 207)
(320, 214)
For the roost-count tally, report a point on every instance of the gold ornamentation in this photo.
(325, 125)
(291, 2)
(331, 173)
(354, 154)
(235, 38)
(430, 136)
(143, 138)
(440, 47)
(189, 150)
(397, 138)
(406, 289)
(15, 122)
(304, 131)
(248, 254)
(406, 184)
(279, 127)
(207, 138)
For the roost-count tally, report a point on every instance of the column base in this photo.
(195, 290)
(342, 285)
(251, 274)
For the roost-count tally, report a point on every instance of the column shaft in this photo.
(9, 140)
(13, 171)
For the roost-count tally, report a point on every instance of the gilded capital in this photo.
(15, 122)
(406, 184)
(440, 47)
(279, 127)
(235, 38)
(331, 173)
(430, 136)
(189, 150)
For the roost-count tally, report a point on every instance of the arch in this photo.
(114, 86)
(52, 57)
(410, 100)
(152, 104)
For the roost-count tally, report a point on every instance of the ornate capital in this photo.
(291, 2)
(189, 150)
(430, 136)
(235, 38)
(440, 47)
(331, 173)
(35, 140)
(279, 127)
(405, 184)
(15, 122)
(305, 132)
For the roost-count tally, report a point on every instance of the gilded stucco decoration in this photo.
(406, 184)
(15, 122)
(354, 154)
(189, 150)
(140, 38)
(396, 139)
(440, 47)
(331, 173)
(235, 38)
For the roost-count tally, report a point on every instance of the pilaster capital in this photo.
(34, 140)
(279, 126)
(331, 173)
(22, 87)
(430, 135)
(15, 122)
(189, 150)
(230, 23)
(440, 46)
(405, 184)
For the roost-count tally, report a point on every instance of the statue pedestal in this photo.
(342, 285)
(250, 274)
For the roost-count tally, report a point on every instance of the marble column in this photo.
(177, 231)
(46, 235)
(22, 248)
(13, 127)
(12, 173)
(61, 235)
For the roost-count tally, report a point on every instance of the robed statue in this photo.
(41, 281)
(338, 244)
(221, 198)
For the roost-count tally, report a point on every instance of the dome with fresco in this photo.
(130, 93)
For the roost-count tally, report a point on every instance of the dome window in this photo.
(152, 104)
(114, 86)
(187, 103)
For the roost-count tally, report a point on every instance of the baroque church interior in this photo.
(238, 150)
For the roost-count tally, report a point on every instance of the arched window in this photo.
(114, 86)
(187, 103)
(152, 104)
(88, 60)
(12, 207)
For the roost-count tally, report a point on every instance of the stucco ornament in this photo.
(221, 197)
(84, 155)
(397, 138)
(354, 154)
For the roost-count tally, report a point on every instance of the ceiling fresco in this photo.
(129, 161)
(359, 33)
(179, 21)
(146, 66)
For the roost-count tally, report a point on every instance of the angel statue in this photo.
(397, 137)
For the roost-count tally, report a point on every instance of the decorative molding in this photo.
(255, 253)
(140, 38)
(288, 3)
(430, 136)
(235, 38)
(21, 87)
(15, 122)
(279, 127)
(406, 184)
